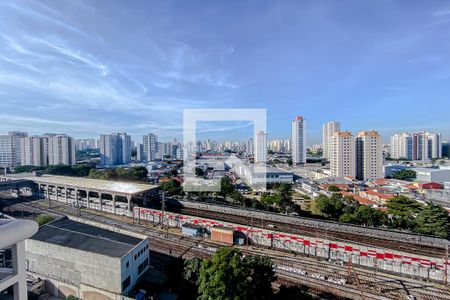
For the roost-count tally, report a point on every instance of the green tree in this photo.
(224, 276)
(403, 211)
(333, 188)
(261, 277)
(331, 207)
(433, 220)
(44, 219)
(366, 215)
(404, 175)
(226, 187)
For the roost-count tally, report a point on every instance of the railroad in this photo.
(394, 240)
(319, 275)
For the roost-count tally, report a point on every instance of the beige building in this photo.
(342, 155)
(369, 155)
(260, 147)
(327, 134)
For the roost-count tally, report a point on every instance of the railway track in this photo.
(327, 233)
(376, 285)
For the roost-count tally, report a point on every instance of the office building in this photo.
(369, 155)
(342, 155)
(85, 261)
(61, 150)
(298, 141)
(328, 131)
(33, 151)
(10, 149)
(150, 142)
(249, 147)
(260, 147)
(401, 146)
(115, 149)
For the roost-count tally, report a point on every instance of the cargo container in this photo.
(191, 230)
(222, 234)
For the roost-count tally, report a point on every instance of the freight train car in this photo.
(222, 234)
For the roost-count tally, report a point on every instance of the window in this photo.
(127, 264)
(126, 283)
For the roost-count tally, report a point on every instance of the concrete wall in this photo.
(73, 267)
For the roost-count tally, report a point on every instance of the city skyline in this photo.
(61, 70)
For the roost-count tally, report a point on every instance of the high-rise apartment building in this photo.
(33, 151)
(150, 142)
(61, 150)
(85, 144)
(328, 131)
(369, 155)
(125, 147)
(249, 147)
(10, 149)
(260, 147)
(401, 146)
(298, 141)
(426, 145)
(115, 149)
(342, 155)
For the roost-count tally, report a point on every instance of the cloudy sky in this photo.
(91, 67)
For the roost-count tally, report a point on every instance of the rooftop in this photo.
(127, 188)
(80, 236)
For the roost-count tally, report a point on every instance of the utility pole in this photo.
(163, 210)
(446, 266)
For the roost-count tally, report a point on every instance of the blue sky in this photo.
(90, 67)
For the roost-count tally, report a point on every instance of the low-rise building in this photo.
(86, 261)
(432, 175)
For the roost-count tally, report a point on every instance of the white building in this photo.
(61, 150)
(260, 147)
(342, 155)
(13, 234)
(432, 175)
(10, 149)
(369, 155)
(85, 261)
(250, 147)
(298, 141)
(150, 142)
(33, 151)
(401, 146)
(426, 145)
(328, 131)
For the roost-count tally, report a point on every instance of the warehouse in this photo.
(86, 261)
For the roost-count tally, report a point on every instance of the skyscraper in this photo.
(401, 146)
(150, 142)
(61, 150)
(260, 147)
(298, 141)
(328, 131)
(369, 155)
(342, 155)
